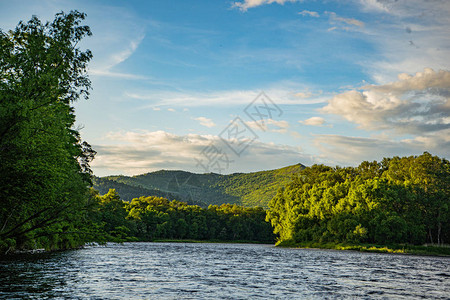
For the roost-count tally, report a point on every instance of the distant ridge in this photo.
(248, 189)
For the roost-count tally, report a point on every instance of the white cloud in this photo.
(105, 67)
(374, 5)
(119, 75)
(269, 125)
(136, 152)
(205, 122)
(417, 106)
(123, 55)
(436, 9)
(413, 104)
(347, 150)
(334, 18)
(414, 34)
(309, 13)
(246, 4)
(421, 81)
(171, 109)
(295, 134)
(303, 95)
(279, 95)
(313, 121)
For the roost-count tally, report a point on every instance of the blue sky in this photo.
(352, 80)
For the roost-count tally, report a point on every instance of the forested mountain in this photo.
(129, 192)
(247, 189)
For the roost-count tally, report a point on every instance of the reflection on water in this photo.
(235, 271)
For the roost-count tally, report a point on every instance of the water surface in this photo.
(225, 271)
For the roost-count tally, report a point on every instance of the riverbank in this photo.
(207, 241)
(396, 249)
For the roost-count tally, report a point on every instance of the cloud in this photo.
(309, 13)
(270, 125)
(412, 105)
(334, 18)
(303, 95)
(246, 4)
(105, 67)
(295, 134)
(111, 74)
(375, 5)
(171, 109)
(123, 55)
(313, 121)
(428, 80)
(437, 10)
(279, 95)
(137, 152)
(412, 113)
(424, 43)
(205, 122)
(347, 150)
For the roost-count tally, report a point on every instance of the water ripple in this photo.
(225, 271)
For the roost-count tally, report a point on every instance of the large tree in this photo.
(44, 164)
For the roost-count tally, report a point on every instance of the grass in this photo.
(397, 249)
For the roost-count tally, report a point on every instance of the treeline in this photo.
(155, 218)
(397, 200)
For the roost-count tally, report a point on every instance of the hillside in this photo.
(248, 189)
(128, 192)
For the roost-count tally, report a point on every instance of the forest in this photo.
(156, 218)
(398, 200)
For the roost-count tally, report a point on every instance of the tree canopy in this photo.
(150, 218)
(398, 200)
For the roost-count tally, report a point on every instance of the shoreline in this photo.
(441, 251)
(424, 250)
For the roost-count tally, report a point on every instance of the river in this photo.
(221, 271)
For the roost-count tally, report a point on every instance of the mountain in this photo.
(247, 189)
(128, 192)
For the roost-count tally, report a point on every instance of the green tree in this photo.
(44, 163)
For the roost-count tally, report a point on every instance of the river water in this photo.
(221, 271)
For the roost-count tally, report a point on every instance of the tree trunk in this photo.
(439, 233)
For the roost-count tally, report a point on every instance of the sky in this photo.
(250, 85)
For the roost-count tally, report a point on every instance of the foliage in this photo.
(44, 163)
(150, 218)
(400, 200)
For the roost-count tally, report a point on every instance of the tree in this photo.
(44, 163)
